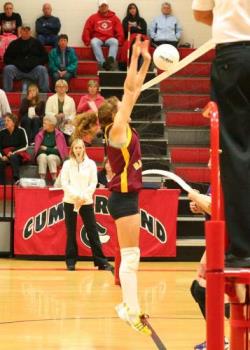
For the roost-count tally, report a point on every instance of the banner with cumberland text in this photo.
(40, 228)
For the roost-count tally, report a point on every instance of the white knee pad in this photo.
(130, 258)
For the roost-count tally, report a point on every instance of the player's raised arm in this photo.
(132, 89)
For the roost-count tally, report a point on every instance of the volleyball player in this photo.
(124, 154)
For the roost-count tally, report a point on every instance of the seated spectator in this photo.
(4, 108)
(13, 145)
(47, 27)
(132, 24)
(62, 60)
(62, 106)
(50, 148)
(10, 22)
(105, 174)
(31, 112)
(103, 28)
(165, 28)
(91, 101)
(25, 58)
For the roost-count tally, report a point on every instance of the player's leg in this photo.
(128, 229)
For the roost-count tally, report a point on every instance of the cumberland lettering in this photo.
(53, 215)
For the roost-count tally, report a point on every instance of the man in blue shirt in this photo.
(48, 27)
(165, 28)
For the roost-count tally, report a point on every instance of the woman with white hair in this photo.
(50, 148)
(62, 106)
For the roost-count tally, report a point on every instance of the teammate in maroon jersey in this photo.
(124, 154)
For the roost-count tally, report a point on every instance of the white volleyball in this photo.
(165, 56)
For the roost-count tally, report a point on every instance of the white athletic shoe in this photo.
(134, 320)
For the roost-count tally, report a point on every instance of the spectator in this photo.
(25, 58)
(105, 175)
(4, 108)
(62, 60)
(165, 28)
(79, 179)
(47, 27)
(61, 106)
(132, 24)
(92, 100)
(31, 112)
(10, 21)
(50, 148)
(13, 145)
(103, 29)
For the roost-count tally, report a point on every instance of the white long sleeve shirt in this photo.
(79, 179)
(231, 19)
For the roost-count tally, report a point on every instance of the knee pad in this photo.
(198, 292)
(130, 258)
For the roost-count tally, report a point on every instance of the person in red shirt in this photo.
(104, 28)
(92, 100)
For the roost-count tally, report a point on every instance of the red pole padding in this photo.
(215, 241)
(215, 231)
(215, 310)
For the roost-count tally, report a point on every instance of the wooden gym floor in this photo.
(43, 307)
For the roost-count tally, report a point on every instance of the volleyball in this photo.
(165, 56)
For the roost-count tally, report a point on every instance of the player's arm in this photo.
(202, 201)
(205, 17)
(132, 89)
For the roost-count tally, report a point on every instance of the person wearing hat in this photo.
(25, 58)
(50, 148)
(104, 28)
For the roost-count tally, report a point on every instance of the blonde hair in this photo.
(83, 124)
(107, 111)
(74, 142)
(93, 83)
(62, 82)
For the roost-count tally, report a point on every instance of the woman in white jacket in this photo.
(79, 180)
(62, 106)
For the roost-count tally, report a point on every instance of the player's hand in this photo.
(144, 50)
(195, 208)
(137, 47)
(79, 202)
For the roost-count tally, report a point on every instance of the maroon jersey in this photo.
(125, 163)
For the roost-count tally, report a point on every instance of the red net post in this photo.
(215, 310)
(215, 238)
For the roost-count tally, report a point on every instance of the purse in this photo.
(26, 157)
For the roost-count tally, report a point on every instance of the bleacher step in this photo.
(147, 96)
(188, 136)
